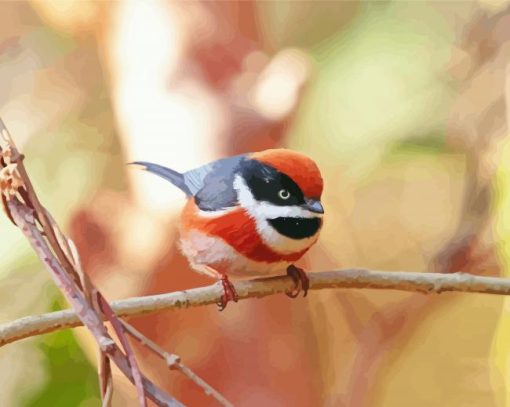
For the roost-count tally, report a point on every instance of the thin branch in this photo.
(20, 202)
(117, 326)
(105, 379)
(174, 362)
(25, 221)
(348, 278)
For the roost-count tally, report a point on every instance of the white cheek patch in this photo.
(261, 211)
(275, 211)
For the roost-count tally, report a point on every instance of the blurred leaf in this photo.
(430, 143)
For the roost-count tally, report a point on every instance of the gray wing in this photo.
(212, 184)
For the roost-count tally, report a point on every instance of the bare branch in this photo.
(25, 221)
(349, 278)
(174, 362)
(105, 379)
(55, 250)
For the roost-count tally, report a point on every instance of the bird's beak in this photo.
(313, 205)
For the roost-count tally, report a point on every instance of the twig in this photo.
(59, 255)
(348, 278)
(105, 379)
(87, 315)
(104, 366)
(100, 306)
(27, 192)
(174, 362)
(117, 326)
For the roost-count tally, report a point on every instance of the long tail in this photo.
(173, 176)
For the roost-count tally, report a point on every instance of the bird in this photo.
(249, 215)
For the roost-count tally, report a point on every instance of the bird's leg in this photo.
(229, 292)
(300, 279)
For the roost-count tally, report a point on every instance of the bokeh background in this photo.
(402, 104)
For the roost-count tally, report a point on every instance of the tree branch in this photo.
(174, 362)
(349, 278)
(20, 202)
(25, 221)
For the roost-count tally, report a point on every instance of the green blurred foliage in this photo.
(378, 81)
(70, 378)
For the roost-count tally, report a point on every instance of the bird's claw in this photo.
(229, 293)
(300, 279)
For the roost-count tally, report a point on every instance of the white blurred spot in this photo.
(276, 92)
(159, 123)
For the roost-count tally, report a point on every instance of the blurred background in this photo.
(402, 104)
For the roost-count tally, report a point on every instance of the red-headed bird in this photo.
(249, 215)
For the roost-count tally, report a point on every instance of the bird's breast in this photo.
(236, 228)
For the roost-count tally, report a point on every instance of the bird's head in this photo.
(281, 189)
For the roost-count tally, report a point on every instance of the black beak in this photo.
(313, 205)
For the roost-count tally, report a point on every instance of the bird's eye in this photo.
(284, 194)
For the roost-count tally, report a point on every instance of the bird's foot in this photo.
(229, 293)
(300, 279)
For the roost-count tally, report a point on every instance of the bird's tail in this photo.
(173, 176)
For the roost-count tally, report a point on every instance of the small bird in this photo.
(249, 215)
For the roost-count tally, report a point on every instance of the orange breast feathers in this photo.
(237, 229)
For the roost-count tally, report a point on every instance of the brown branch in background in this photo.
(117, 326)
(105, 379)
(174, 362)
(426, 283)
(59, 255)
(17, 188)
(85, 312)
(104, 365)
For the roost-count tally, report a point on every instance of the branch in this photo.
(24, 220)
(174, 362)
(20, 202)
(349, 278)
